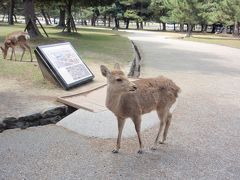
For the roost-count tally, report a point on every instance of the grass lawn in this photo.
(225, 40)
(93, 45)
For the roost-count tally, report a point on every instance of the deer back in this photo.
(17, 38)
(151, 94)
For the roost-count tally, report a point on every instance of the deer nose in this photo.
(134, 87)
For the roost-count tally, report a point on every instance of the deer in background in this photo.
(14, 39)
(132, 99)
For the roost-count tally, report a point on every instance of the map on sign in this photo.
(65, 62)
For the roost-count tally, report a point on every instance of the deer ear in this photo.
(117, 66)
(104, 70)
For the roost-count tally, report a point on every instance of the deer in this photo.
(14, 39)
(131, 99)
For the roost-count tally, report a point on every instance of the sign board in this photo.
(64, 64)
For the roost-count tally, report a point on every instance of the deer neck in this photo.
(113, 100)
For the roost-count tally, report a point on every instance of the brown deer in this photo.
(14, 39)
(132, 99)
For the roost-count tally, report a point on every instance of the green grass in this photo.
(97, 46)
(225, 40)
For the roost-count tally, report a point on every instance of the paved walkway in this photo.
(203, 140)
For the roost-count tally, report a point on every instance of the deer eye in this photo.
(119, 80)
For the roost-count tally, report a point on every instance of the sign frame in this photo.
(64, 65)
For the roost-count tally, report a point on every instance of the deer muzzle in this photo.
(133, 87)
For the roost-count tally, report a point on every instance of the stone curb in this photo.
(136, 63)
(50, 116)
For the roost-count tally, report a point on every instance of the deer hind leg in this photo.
(121, 123)
(137, 123)
(169, 119)
(24, 49)
(27, 46)
(162, 115)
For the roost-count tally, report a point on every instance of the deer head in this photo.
(4, 51)
(117, 81)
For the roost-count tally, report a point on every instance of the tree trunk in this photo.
(109, 21)
(235, 28)
(62, 15)
(137, 24)
(29, 12)
(213, 28)
(127, 23)
(141, 25)
(49, 19)
(3, 17)
(189, 30)
(116, 23)
(11, 12)
(93, 21)
(181, 27)
(69, 13)
(15, 18)
(164, 27)
(204, 28)
(104, 20)
(174, 26)
(44, 16)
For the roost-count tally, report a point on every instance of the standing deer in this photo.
(132, 99)
(14, 39)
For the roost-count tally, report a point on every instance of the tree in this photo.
(184, 11)
(132, 15)
(70, 25)
(7, 7)
(42, 6)
(62, 15)
(70, 21)
(231, 14)
(11, 12)
(159, 12)
(136, 10)
(30, 18)
(105, 11)
(141, 7)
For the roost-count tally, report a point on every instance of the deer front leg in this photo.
(11, 55)
(121, 123)
(137, 123)
(13, 52)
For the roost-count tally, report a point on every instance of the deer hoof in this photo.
(140, 151)
(114, 151)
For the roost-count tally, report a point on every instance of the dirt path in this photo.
(21, 98)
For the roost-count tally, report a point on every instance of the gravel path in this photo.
(203, 141)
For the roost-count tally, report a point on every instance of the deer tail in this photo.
(27, 36)
(173, 106)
